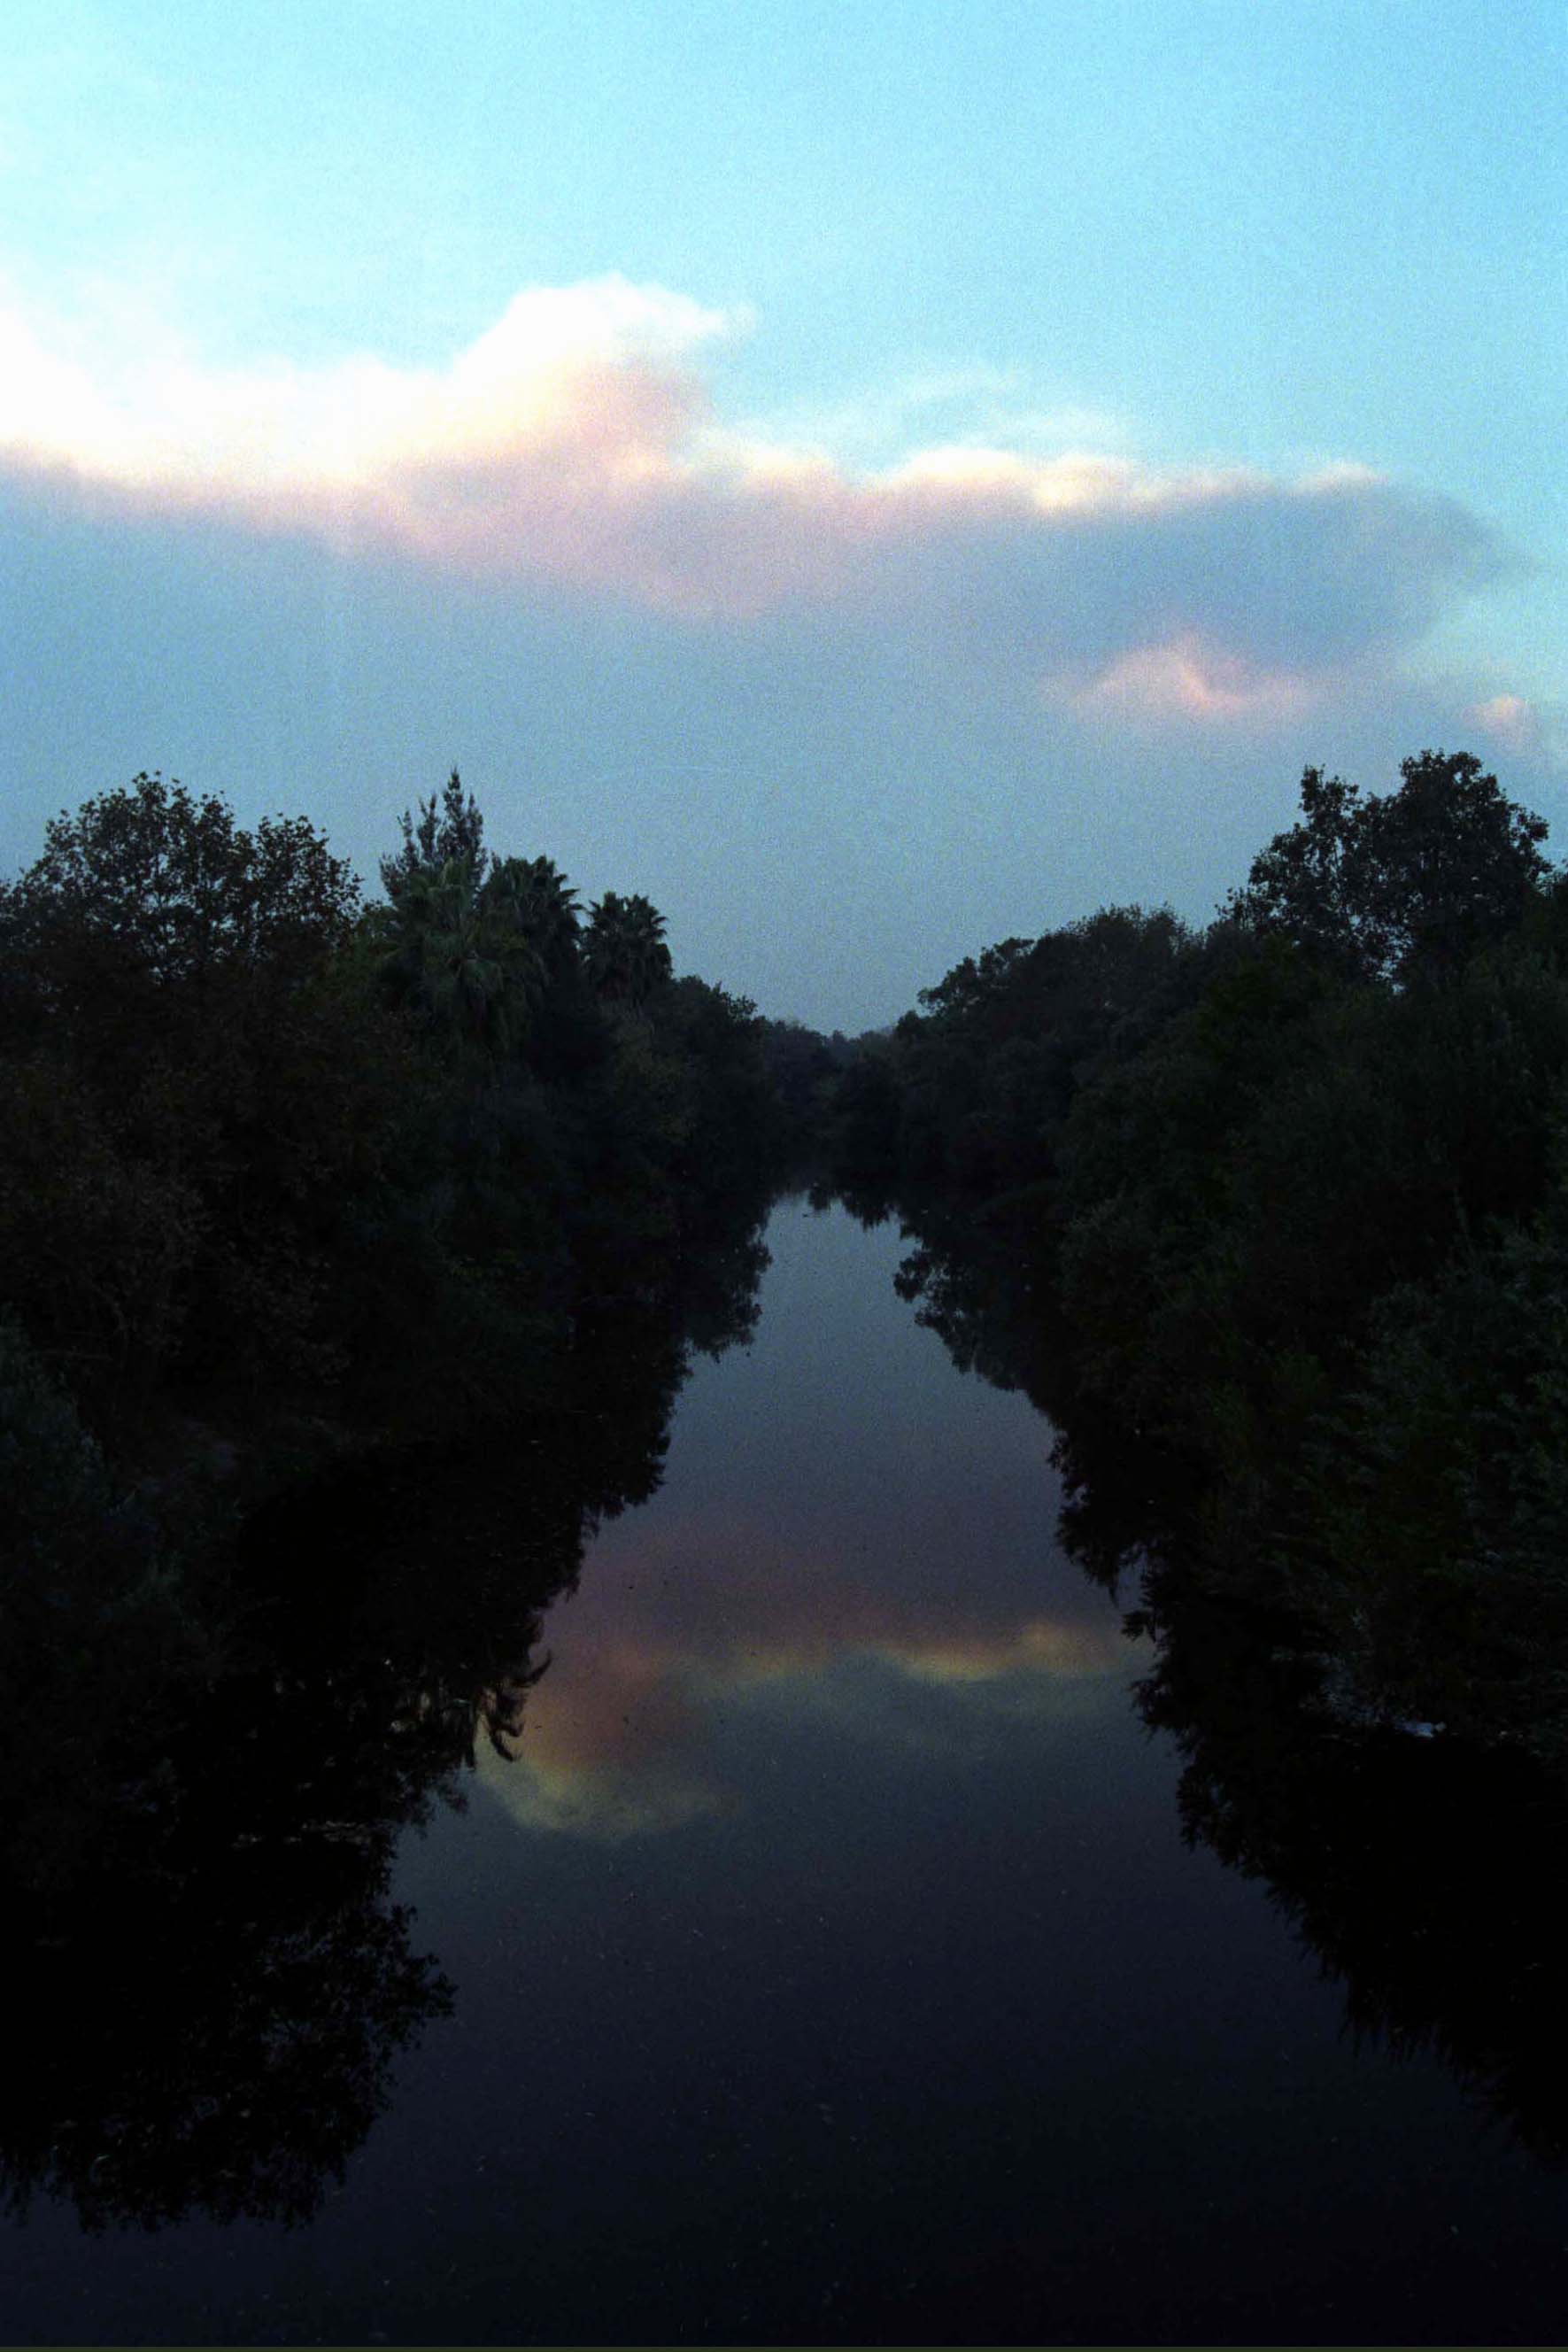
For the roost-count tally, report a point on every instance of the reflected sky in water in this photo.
(828, 1965)
(849, 1538)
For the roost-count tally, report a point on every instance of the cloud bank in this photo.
(574, 446)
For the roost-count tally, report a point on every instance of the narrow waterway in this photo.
(829, 1963)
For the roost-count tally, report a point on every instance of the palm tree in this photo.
(625, 948)
(532, 895)
(456, 947)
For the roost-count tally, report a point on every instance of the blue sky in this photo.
(876, 477)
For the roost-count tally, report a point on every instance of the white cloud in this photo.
(152, 419)
(573, 444)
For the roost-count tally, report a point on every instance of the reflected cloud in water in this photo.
(853, 1528)
(618, 1738)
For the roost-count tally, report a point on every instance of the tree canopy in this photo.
(1399, 886)
(147, 886)
(624, 948)
(452, 828)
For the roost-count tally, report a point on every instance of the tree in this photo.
(194, 1090)
(478, 942)
(461, 951)
(625, 948)
(147, 887)
(455, 829)
(538, 900)
(973, 985)
(1403, 886)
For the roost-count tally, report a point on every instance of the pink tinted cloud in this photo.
(575, 443)
(1515, 724)
(1189, 679)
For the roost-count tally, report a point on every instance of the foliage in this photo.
(1402, 886)
(147, 893)
(253, 1137)
(281, 1182)
(53, 1489)
(535, 898)
(454, 829)
(801, 1067)
(456, 947)
(1429, 1525)
(623, 948)
(197, 1085)
(1274, 1213)
(973, 1089)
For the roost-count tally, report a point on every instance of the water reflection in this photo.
(215, 1978)
(830, 1515)
(619, 1740)
(1419, 1869)
(825, 1964)
(1416, 1867)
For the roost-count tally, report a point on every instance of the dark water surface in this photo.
(829, 1964)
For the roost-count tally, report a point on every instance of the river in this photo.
(829, 1963)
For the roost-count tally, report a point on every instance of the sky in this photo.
(877, 477)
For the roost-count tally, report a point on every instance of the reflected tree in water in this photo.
(1420, 1869)
(215, 1980)
(1416, 1864)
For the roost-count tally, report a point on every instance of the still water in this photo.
(828, 1963)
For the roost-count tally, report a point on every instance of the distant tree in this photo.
(987, 1068)
(460, 950)
(861, 1116)
(800, 1067)
(534, 896)
(1401, 886)
(977, 981)
(625, 948)
(452, 828)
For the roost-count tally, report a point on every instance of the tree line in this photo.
(1273, 1216)
(284, 1175)
(254, 1134)
(1280, 1199)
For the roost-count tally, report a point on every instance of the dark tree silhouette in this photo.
(625, 948)
(453, 827)
(1402, 885)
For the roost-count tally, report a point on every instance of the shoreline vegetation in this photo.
(282, 1170)
(352, 1258)
(1270, 1216)
(288, 1180)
